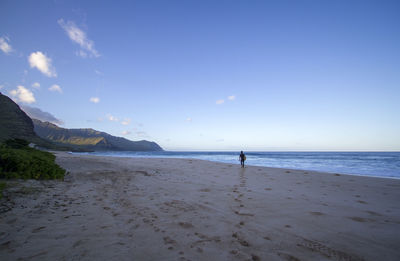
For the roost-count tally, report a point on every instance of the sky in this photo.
(210, 75)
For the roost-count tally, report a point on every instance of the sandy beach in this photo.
(179, 209)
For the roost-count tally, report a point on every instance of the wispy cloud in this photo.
(21, 94)
(36, 85)
(37, 113)
(4, 45)
(94, 99)
(126, 121)
(189, 119)
(126, 133)
(55, 88)
(111, 118)
(221, 101)
(41, 62)
(78, 36)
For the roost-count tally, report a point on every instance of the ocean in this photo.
(375, 164)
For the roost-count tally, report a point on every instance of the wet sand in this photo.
(181, 209)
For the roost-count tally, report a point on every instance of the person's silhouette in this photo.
(242, 158)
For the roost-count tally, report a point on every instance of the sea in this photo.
(373, 164)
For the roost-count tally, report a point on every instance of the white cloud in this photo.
(4, 45)
(1, 87)
(42, 63)
(36, 85)
(189, 119)
(21, 94)
(111, 118)
(232, 97)
(220, 102)
(55, 88)
(79, 36)
(94, 99)
(127, 121)
(98, 72)
(126, 132)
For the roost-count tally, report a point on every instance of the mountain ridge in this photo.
(16, 124)
(90, 139)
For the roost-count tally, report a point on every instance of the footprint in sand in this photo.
(77, 243)
(288, 257)
(37, 229)
(244, 214)
(373, 213)
(315, 246)
(233, 252)
(185, 225)
(360, 219)
(240, 240)
(169, 241)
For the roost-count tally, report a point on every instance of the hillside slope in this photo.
(90, 139)
(14, 123)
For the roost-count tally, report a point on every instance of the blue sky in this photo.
(210, 75)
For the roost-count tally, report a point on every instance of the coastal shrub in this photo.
(17, 160)
(16, 143)
(2, 187)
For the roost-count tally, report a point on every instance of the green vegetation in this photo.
(17, 160)
(2, 187)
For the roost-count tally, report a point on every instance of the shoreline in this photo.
(294, 169)
(189, 209)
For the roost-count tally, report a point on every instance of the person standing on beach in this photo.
(242, 158)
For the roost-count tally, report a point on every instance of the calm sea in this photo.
(377, 164)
